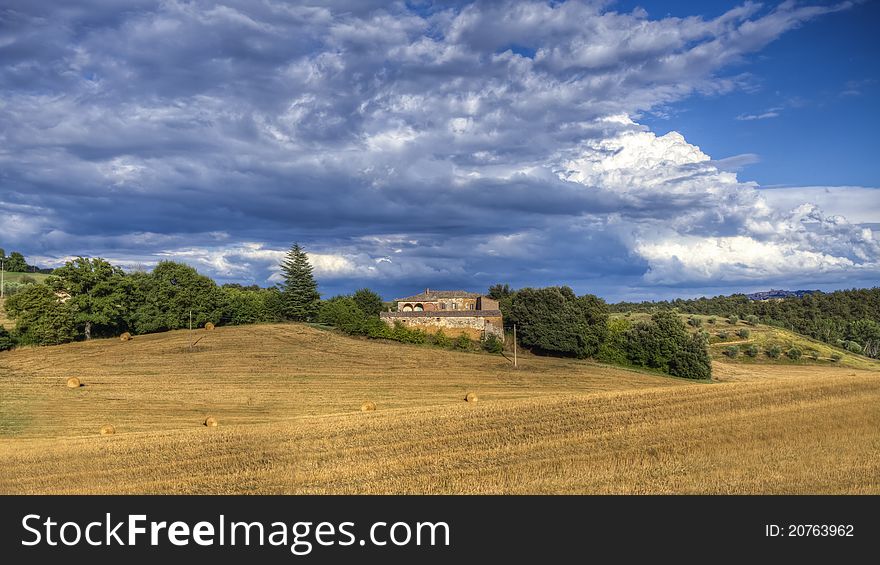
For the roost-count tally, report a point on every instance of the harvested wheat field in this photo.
(287, 400)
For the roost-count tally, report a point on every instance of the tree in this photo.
(691, 360)
(98, 296)
(164, 299)
(554, 321)
(15, 263)
(299, 291)
(368, 301)
(41, 318)
(7, 341)
(343, 313)
(500, 291)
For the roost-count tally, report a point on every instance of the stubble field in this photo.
(288, 398)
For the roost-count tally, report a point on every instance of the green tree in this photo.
(613, 348)
(773, 352)
(368, 301)
(752, 350)
(794, 353)
(343, 313)
(7, 341)
(300, 298)
(15, 263)
(743, 333)
(732, 351)
(554, 321)
(164, 298)
(98, 294)
(691, 360)
(41, 318)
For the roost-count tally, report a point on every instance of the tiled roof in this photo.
(432, 295)
(443, 314)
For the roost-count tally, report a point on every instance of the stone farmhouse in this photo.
(455, 312)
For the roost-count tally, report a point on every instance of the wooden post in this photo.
(514, 345)
(190, 330)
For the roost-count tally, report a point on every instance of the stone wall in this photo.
(476, 324)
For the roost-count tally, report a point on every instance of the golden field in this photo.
(288, 398)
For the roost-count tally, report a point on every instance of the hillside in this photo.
(764, 337)
(288, 401)
(17, 277)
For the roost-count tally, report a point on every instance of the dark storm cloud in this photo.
(403, 144)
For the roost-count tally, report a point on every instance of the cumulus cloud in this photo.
(404, 146)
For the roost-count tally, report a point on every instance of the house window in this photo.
(443, 306)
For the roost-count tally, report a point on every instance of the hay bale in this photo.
(471, 397)
(209, 326)
(73, 382)
(108, 430)
(125, 337)
(368, 406)
(211, 422)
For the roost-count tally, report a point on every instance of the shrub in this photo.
(614, 348)
(773, 352)
(814, 355)
(343, 313)
(492, 344)
(853, 347)
(692, 360)
(722, 335)
(695, 322)
(794, 353)
(441, 339)
(6, 340)
(752, 350)
(752, 320)
(463, 342)
(732, 351)
(711, 320)
(744, 333)
(835, 357)
(732, 319)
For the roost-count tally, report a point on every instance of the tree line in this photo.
(845, 318)
(92, 298)
(555, 321)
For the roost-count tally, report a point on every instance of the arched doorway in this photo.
(419, 308)
(407, 308)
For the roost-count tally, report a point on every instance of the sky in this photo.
(635, 150)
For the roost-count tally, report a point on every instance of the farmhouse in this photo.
(455, 312)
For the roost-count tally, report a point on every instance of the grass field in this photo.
(288, 401)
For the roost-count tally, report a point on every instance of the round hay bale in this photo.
(73, 382)
(209, 326)
(368, 406)
(211, 422)
(108, 430)
(471, 397)
(125, 337)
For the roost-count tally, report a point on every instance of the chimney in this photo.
(427, 291)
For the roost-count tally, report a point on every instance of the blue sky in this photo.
(634, 150)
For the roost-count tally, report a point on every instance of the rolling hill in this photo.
(288, 400)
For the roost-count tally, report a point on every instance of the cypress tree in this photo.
(300, 298)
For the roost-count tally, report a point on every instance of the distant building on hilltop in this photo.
(456, 312)
(774, 294)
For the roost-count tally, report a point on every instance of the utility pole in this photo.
(190, 330)
(2, 279)
(514, 345)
